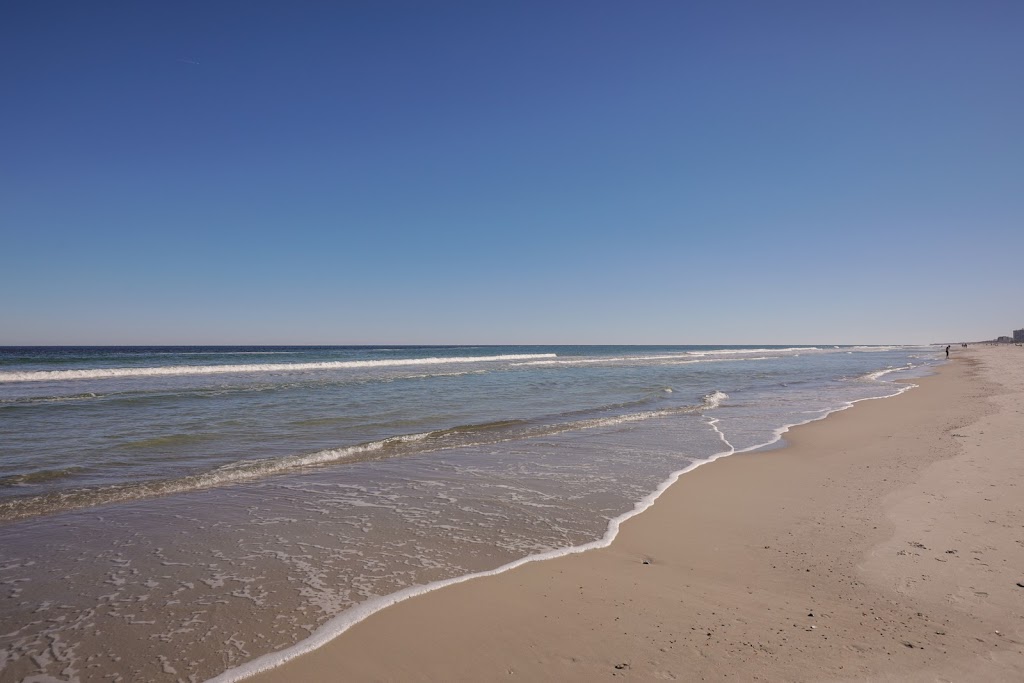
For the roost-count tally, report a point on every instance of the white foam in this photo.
(714, 399)
(679, 359)
(717, 352)
(231, 473)
(606, 359)
(892, 347)
(882, 373)
(713, 422)
(257, 468)
(248, 470)
(346, 620)
(172, 370)
(617, 420)
(710, 402)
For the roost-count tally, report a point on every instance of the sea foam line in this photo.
(231, 473)
(352, 616)
(716, 352)
(344, 621)
(680, 359)
(878, 374)
(172, 370)
(248, 470)
(605, 359)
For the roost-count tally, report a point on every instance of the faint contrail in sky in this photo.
(189, 61)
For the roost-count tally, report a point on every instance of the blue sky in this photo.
(511, 172)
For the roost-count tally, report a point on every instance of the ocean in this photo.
(184, 513)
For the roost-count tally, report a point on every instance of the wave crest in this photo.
(241, 471)
(176, 370)
(714, 399)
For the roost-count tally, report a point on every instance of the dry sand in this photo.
(885, 543)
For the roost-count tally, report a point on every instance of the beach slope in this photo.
(884, 542)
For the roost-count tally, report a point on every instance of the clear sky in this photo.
(511, 172)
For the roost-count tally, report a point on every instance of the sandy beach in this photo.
(521, 341)
(885, 542)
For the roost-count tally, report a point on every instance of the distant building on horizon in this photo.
(1004, 339)
(1018, 335)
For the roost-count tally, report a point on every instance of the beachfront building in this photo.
(1004, 339)
(1018, 335)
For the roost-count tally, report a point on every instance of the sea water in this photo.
(177, 513)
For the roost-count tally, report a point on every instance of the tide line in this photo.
(349, 618)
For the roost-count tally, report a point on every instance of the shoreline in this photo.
(219, 578)
(740, 555)
(342, 623)
(509, 623)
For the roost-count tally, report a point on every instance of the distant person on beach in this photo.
(947, 350)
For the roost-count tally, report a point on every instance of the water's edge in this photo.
(342, 622)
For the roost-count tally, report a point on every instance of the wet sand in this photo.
(886, 542)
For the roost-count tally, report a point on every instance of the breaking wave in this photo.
(878, 374)
(173, 370)
(461, 436)
(714, 399)
(721, 352)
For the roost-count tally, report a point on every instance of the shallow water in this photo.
(172, 513)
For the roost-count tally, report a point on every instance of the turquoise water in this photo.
(260, 492)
